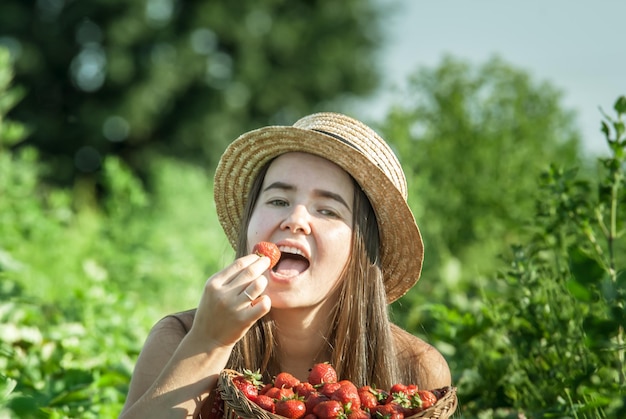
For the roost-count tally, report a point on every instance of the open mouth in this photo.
(292, 262)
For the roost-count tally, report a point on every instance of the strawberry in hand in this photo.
(268, 249)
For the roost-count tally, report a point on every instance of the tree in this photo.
(183, 77)
(523, 282)
(473, 141)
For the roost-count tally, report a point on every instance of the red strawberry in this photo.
(328, 409)
(348, 395)
(369, 396)
(217, 408)
(328, 389)
(285, 380)
(428, 398)
(290, 408)
(359, 414)
(398, 388)
(411, 389)
(313, 400)
(266, 403)
(280, 393)
(399, 393)
(322, 373)
(246, 387)
(268, 249)
(266, 387)
(399, 399)
(304, 389)
(248, 384)
(387, 411)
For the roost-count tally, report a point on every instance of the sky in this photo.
(579, 46)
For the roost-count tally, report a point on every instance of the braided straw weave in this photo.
(237, 405)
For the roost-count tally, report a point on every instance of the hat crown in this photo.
(362, 138)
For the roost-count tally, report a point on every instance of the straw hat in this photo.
(357, 149)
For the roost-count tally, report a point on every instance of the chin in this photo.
(282, 302)
(283, 305)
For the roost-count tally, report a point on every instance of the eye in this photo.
(329, 213)
(277, 202)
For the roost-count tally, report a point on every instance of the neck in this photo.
(302, 341)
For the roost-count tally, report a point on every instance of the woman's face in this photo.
(305, 207)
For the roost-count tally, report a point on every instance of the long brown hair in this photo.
(359, 334)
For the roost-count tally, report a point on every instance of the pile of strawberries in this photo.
(323, 396)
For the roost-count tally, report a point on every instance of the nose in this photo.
(298, 220)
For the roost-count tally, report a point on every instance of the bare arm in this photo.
(175, 372)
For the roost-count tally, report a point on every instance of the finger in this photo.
(251, 268)
(262, 305)
(254, 289)
(248, 296)
(227, 274)
(253, 309)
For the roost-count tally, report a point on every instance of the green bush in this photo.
(76, 280)
(82, 280)
(86, 271)
(551, 342)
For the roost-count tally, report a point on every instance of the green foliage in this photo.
(57, 312)
(57, 364)
(10, 132)
(523, 284)
(473, 141)
(86, 271)
(119, 77)
(76, 279)
(552, 342)
(82, 281)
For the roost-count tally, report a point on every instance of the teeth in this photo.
(289, 249)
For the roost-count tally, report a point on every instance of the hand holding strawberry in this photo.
(223, 298)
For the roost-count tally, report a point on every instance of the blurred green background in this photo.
(113, 115)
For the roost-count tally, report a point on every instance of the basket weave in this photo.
(237, 405)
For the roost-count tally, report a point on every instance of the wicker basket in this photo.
(237, 405)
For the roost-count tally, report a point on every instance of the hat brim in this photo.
(402, 248)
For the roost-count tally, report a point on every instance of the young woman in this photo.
(332, 195)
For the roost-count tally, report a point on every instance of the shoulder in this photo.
(182, 320)
(428, 365)
(170, 329)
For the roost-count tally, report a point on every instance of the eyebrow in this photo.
(318, 192)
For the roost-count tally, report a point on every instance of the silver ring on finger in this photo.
(248, 295)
